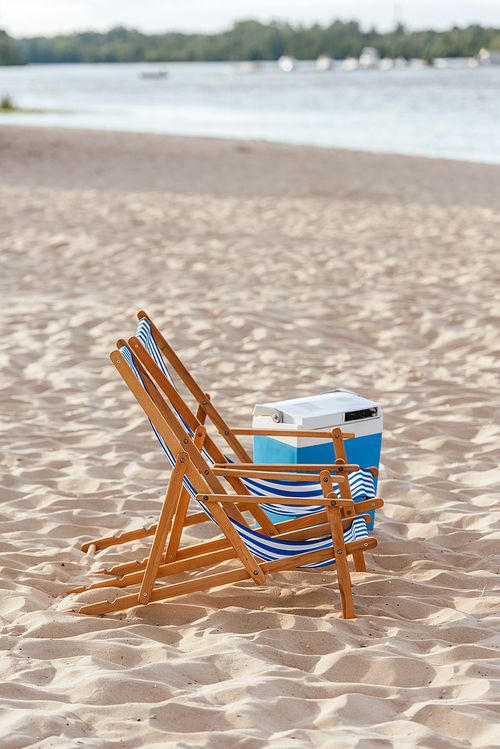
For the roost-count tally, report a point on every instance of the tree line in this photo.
(247, 40)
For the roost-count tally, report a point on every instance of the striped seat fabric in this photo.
(262, 546)
(273, 548)
(361, 482)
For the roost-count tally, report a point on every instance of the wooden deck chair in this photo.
(329, 541)
(147, 361)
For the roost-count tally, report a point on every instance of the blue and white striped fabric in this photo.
(269, 549)
(264, 547)
(274, 548)
(361, 482)
(145, 335)
(125, 352)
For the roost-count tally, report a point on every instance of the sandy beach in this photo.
(274, 271)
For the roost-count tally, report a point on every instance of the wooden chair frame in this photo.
(223, 507)
(156, 381)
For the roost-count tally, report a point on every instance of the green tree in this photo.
(247, 40)
(9, 52)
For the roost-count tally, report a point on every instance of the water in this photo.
(451, 112)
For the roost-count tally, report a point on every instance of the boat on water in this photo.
(369, 58)
(485, 57)
(154, 75)
(251, 66)
(350, 63)
(324, 62)
(287, 63)
(386, 63)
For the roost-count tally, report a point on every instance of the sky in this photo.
(48, 17)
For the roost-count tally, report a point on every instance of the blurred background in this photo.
(409, 78)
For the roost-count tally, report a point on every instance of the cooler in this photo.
(339, 408)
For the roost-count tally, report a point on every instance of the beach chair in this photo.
(147, 358)
(330, 540)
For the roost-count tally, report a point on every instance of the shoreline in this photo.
(67, 158)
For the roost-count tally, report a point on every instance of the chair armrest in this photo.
(249, 500)
(272, 476)
(277, 431)
(295, 467)
(367, 505)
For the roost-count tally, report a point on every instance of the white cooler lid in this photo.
(319, 411)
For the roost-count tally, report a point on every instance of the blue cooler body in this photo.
(340, 408)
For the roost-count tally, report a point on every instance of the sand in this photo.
(275, 272)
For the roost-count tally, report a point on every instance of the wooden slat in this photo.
(365, 505)
(172, 568)
(272, 476)
(345, 489)
(195, 519)
(362, 544)
(122, 538)
(201, 414)
(224, 498)
(343, 575)
(298, 467)
(284, 432)
(304, 534)
(162, 594)
(298, 560)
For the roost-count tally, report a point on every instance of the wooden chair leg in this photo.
(345, 490)
(177, 527)
(199, 437)
(167, 512)
(343, 576)
(359, 561)
(334, 515)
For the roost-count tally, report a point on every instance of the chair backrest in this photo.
(172, 436)
(149, 332)
(147, 351)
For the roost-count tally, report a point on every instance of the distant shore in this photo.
(142, 162)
